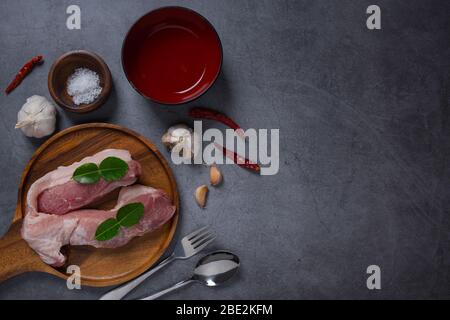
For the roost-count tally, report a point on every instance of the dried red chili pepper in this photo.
(240, 161)
(210, 114)
(26, 69)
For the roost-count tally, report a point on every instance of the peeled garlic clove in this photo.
(200, 195)
(215, 176)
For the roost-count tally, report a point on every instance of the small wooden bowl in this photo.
(65, 66)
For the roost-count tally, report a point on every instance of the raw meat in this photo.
(59, 194)
(51, 223)
(47, 233)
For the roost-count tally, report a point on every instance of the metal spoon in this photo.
(211, 270)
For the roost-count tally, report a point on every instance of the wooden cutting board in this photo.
(99, 267)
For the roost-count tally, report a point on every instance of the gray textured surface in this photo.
(364, 126)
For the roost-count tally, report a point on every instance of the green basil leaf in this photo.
(108, 229)
(130, 214)
(113, 169)
(86, 173)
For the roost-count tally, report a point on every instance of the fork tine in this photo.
(202, 245)
(202, 239)
(193, 234)
(200, 236)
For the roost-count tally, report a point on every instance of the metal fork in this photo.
(190, 245)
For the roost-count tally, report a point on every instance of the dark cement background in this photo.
(364, 126)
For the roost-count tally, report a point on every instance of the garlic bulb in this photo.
(37, 117)
(182, 139)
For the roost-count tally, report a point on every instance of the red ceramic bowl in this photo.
(172, 55)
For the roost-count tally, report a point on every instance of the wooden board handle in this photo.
(15, 255)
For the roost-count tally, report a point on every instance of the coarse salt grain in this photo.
(84, 86)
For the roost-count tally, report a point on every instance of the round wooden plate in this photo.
(99, 267)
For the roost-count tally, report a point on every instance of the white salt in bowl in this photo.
(65, 66)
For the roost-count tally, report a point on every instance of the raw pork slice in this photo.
(59, 194)
(47, 233)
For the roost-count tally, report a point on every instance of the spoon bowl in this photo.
(216, 268)
(212, 270)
